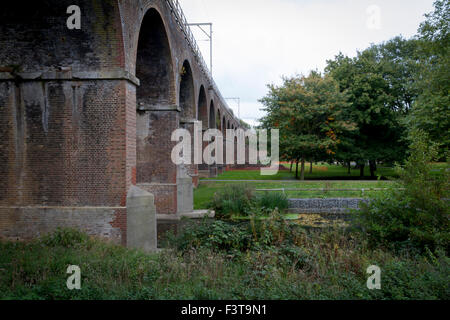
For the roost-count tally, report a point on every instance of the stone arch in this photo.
(157, 115)
(212, 116)
(154, 67)
(218, 120)
(202, 108)
(187, 98)
(35, 37)
(224, 124)
(186, 173)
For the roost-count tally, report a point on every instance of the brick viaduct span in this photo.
(86, 114)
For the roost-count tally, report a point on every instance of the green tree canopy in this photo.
(309, 112)
(431, 109)
(379, 84)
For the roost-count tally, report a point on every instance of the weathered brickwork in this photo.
(165, 196)
(85, 114)
(28, 223)
(63, 149)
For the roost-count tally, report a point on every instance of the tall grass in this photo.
(241, 200)
(233, 200)
(291, 264)
(272, 201)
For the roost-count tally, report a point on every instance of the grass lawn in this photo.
(320, 172)
(253, 175)
(204, 193)
(323, 176)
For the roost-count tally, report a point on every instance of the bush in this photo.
(215, 235)
(416, 216)
(232, 200)
(65, 237)
(272, 201)
(257, 233)
(240, 200)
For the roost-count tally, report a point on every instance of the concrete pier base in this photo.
(141, 220)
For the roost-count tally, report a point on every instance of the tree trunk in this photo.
(361, 170)
(349, 167)
(373, 168)
(296, 170)
(311, 168)
(292, 164)
(302, 173)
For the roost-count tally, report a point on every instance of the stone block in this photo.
(141, 220)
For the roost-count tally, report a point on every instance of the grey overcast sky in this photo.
(256, 42)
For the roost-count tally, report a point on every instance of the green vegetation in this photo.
(232, 200)
(252, 175)
(418, 215)
(364, 109)
(206, 190)
(431, 109)
(239, 200)
(310, 112)
(220, 260)
(407, 236)
(272, 201)
(377, 82)
(322, 171)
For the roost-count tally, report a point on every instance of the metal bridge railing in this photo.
(177, 11)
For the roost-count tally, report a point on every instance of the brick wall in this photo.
(71, 140)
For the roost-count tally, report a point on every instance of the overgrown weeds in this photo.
(241, 200)
(278, 261)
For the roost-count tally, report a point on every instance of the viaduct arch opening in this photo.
(203, 108)
(212, 116)
(187, 174)
(202, 115)
(218, 120)
(187, 99)
(157, 114)
(154, 66)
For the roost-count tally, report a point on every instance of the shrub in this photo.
(232, 200)
(65, 237)
(416, 216)
(257, 233)
(215, 235)
(273, 200)
(240, 200)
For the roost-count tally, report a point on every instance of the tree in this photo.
(308, 112)
(417, 214)
(431, 109)
(379, 84)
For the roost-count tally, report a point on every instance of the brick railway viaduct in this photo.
(87, 114)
